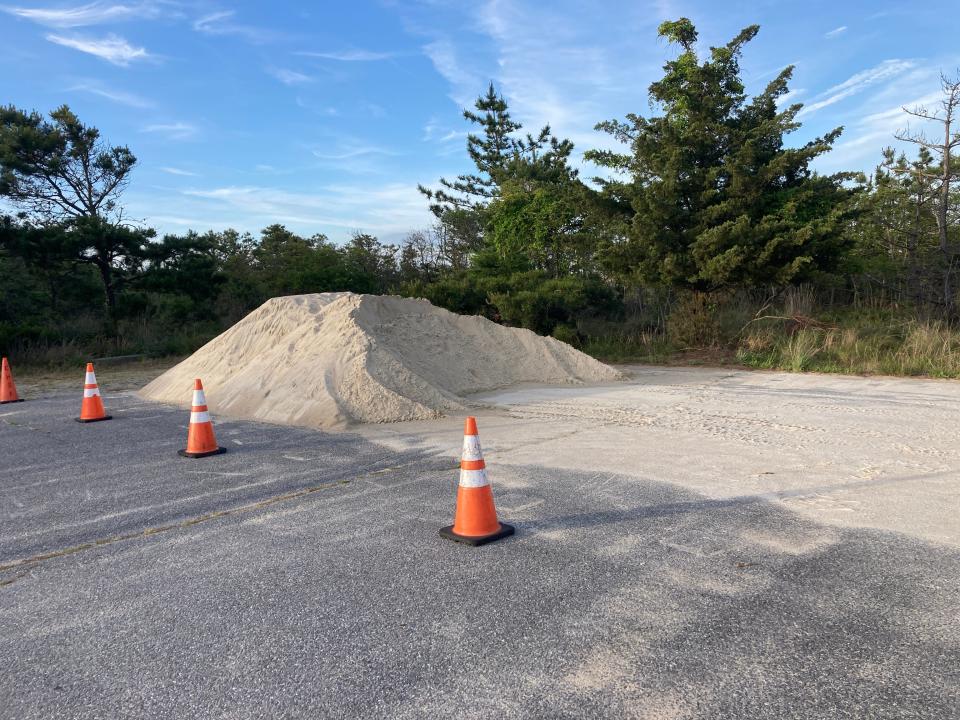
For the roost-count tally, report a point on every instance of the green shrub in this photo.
(459, 293)
(541, 304)
(694, 321)
(566, 334)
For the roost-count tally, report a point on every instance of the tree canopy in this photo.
(60, 169)
(707, 192)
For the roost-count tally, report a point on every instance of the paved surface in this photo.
(71, 483)
(300, 574)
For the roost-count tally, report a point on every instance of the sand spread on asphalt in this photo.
(333, 359)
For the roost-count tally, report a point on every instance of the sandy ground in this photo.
(690, 544)
(851, 451)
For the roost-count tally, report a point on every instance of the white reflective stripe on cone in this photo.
(473, 478)
(199, 398)
(90, 378)
(471, 448)
(200, 417)
(91, 392)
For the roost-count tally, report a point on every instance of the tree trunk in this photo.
(942, 216)
(110, 294)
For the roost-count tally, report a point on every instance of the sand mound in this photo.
(331, 359)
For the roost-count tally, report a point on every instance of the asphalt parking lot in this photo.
(301, 575)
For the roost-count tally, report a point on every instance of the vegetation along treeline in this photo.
(705, 235)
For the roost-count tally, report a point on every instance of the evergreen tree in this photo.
(708, 195)
(897, 236)
(499, 157)
(62, 173)
(490, 152)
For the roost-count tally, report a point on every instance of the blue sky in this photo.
(324, 116)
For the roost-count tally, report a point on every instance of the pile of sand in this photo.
(331, 359)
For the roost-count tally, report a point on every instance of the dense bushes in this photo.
(527, 299)
(170, 295)
(540, 304)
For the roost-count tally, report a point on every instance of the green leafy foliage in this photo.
(534, 301)
(60, 169)
(707, 193)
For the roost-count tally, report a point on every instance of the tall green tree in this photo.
(60, 169)
(501, 156)
(544, 224)
(539, 212)
(491, 152)
(898, 238)
(708, 194)
(61, 173)
(373, 265)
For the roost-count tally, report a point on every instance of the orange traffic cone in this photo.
(8, 390)
(201, 441)
(475, 521)
(92, 408)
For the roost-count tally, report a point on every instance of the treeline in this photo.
(164, 296)
(702, 228)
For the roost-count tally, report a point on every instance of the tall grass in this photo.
(134, 337)
(641, 347)
(797, 332)
(856, 345)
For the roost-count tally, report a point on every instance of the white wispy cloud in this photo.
(554, 69)
(174, 131)
(878, 129)
(192, 223)
(353, 152)
(112, 48)
(318, 108)
(349, 55)
(871, 124)
(178, 172)
(95, 13)
(356, 158)
(212, 23)
(437, 132)
(222, 23)
(551, 67)
(289, 77)
(118, 96)
(392, 208)
(857, 83)
(836, 32)
(465, 84)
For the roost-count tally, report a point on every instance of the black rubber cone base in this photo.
(504, 531)
(7, 402)
(218, 451)
(105, 417)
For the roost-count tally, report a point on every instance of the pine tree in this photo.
(897, 236)
(709, 195)
(62, 173)
(490, 152)
(500, 157)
